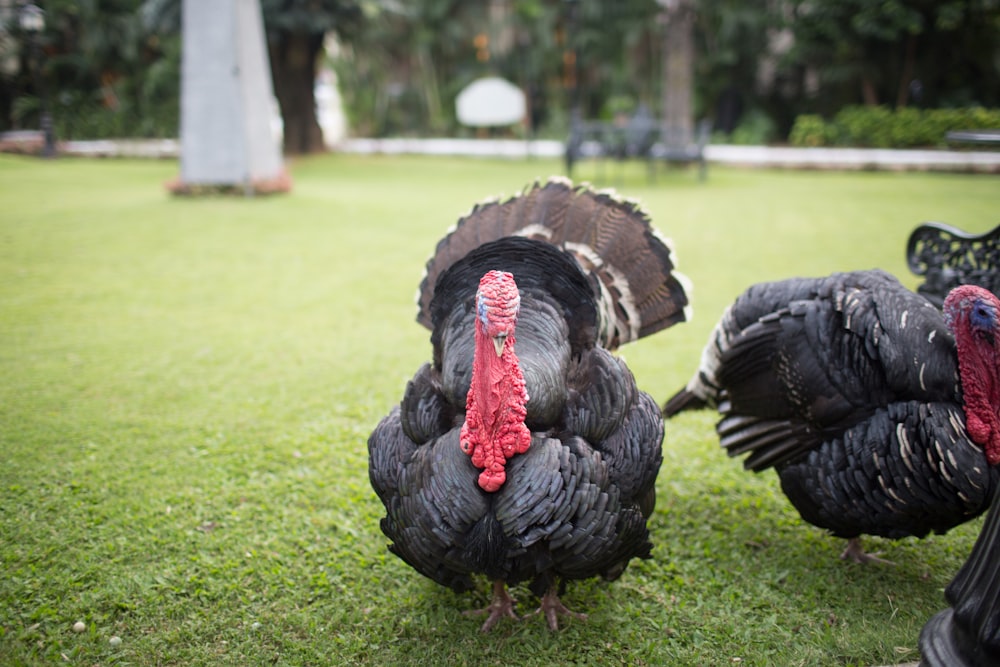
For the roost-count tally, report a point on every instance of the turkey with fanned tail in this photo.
(524, 451)
(877, 410)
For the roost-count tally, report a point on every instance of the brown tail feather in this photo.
(681, 401)
(630, 265)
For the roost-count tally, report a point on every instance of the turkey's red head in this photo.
(973, 315)
(494, 428)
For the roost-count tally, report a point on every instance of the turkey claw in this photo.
(501, 605)
(553, 608)
(855, 553)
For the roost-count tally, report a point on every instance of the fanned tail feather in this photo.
(681, 401)
(629, 265)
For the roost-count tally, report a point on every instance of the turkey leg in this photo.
(855, 553)
(553, 608)
(501, 605)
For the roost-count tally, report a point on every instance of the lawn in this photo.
(188, 386)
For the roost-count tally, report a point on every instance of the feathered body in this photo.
(853, 388)
(524, 450)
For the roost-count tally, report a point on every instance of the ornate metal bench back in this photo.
(948, 257)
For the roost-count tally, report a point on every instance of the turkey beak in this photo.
(498, 343)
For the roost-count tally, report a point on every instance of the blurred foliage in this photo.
(108, 67)
(755, 128)
(931, 53)
(313, 16)
(101, 68)
(810, 131)
(882, 127)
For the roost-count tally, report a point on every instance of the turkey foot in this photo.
(553, 608)
(855, 553)
(501, 605)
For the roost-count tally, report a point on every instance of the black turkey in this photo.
(878, 412)
(524, 451)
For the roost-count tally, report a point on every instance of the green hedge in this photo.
(880, 127)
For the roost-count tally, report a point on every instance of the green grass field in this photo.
(188, 386)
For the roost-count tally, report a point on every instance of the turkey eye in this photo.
(982, 317)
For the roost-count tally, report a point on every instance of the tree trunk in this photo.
(906, 77)
(429, 88)
(868, 92)
(678, 69)
(293, 68)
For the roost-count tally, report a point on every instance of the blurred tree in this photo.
(399, 73)
(886, 52)
(734, 41)
(678, 18)
(104, 70)
(112, 66)
(296, 30)
(619, 55)
(402, 73)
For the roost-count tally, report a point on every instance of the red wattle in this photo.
(494, 429)
(979, 368)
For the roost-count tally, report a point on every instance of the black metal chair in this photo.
(678, 147)
(948, 257)
(637, 137)
(967, 633)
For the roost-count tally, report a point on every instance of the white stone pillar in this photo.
(227, 100)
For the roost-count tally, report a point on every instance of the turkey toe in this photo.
(502, 605)
(553, 608)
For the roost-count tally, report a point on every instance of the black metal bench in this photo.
(639, 137)
(948, 257)
(989, 138)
